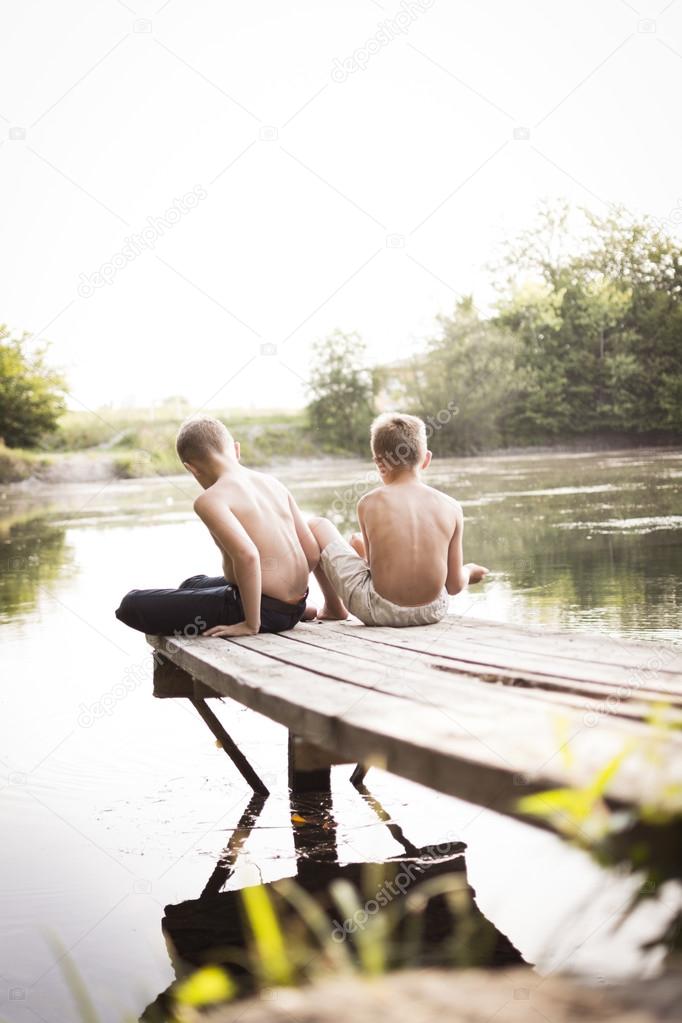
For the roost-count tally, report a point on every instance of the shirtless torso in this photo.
(412, 536)
(244, 508)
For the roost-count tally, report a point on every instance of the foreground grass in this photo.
(134, 443)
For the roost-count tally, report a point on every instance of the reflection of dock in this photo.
(212, 928)
(478, 710)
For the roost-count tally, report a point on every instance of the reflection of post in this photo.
(312, 818)
(226, 864)
(385, 818)
(452, 848)
(314, 828)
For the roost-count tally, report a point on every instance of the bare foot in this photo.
(333, 614)
(310, 613)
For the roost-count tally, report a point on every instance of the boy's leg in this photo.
(325, 532)
(201, 582)
(358, 544)
(187, 611)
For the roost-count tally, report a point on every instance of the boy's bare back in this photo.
(409, 531)
(247, 506)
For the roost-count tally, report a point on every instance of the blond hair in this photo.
(398, 440)
(199, 436)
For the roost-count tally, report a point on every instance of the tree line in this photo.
(584, 344)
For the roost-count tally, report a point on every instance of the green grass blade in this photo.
(206, 986)
(273, 963)
(368, 935)
(317, 922)
(75, 983)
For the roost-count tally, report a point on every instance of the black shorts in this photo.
(199, 603)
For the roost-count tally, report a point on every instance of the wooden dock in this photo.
(478, 710)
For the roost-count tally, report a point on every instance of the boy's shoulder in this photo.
(207, 499)
(446, 498)
(450, 504)
(371, 496)
(218, 494)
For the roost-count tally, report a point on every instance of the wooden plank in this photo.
(415, 680)
(481, 755)
(470, 655)
(591, 647)
(594, 650)
(591, 698)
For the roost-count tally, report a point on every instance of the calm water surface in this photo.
(108, 819)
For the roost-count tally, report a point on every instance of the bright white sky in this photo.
(126, 107)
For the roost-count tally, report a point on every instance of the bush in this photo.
(31, 394)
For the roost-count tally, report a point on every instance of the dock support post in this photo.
(309, 767)
(173, 682)
(230, 747)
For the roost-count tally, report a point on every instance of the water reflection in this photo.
(449, 929)
(576, 541)
(34, 554)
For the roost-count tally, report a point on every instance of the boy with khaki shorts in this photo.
(407, 559)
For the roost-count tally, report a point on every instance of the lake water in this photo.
(108, 819)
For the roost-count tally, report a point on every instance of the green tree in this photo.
(639, 257)
(599, 330)
(462, 387)
(341, 389)
(31, 393)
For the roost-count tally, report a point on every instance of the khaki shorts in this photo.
(351, 578)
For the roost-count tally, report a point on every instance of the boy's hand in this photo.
(476, 572)
(240, 629)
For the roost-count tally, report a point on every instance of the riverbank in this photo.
(140, 444)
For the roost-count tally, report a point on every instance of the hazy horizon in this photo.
(263, 177)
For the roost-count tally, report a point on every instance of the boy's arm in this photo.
(360, 510)
(460, 575)
(233, 540)
(305, 536)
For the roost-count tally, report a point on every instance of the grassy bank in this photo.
(134, 443)
(17, 465)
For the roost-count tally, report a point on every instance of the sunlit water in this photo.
(107, 819)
